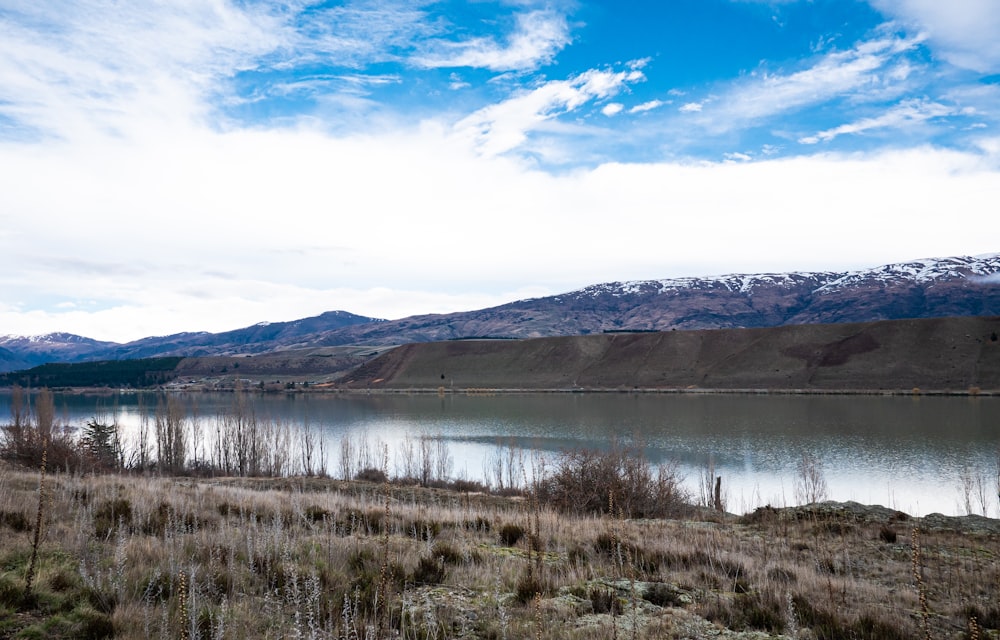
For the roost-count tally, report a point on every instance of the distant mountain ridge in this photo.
(261, 337)
(20, 352)
(957, 286)
(927, 288)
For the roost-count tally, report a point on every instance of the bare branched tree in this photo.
(810, 484)
(346, 457)
(16, 433)
(443, 461)
(426, 460)
(171, 440)
(45, 414)
(407, 465)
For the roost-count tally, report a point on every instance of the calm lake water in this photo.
(908, 453)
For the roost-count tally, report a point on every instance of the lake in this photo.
(918, 454)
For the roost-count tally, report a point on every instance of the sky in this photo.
(205, 165)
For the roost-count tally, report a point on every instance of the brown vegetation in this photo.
(586, 545)
(149, 557)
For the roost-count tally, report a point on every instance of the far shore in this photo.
(475, 391)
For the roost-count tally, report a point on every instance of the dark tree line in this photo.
(145, 372)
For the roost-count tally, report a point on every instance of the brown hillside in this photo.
(315, 365)
(955, 354)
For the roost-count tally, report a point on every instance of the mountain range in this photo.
(927, 288)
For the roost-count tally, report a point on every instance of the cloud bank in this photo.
(186, 166)
(219, 230)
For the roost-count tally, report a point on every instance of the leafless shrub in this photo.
(426, 461)
(810, 482)
(371, 475)
(25, 440)
(975, 491)
(503, 467)
(584, 479)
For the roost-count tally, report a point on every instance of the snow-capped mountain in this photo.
(18, 352)
(935, 287)
(923, 271)
(52, 339)
(954, 286)
(917, 271)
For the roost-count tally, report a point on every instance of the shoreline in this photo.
(843, 510)
(671, 391)
(487, 391)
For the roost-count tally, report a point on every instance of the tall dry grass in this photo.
(150, 557)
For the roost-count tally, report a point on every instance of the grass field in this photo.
(134, 556)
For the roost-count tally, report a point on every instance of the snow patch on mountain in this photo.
(982, 268)
(921, 272)
(47, 338)
(743, 283)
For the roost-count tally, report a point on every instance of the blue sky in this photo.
(186, 165)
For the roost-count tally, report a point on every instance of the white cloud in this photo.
(834, 75)
(647, 106)
(504, 126)
(350, 34)
(966, 32)
(990, 147)
(213, 230)
(456, 82)
(90, 68)
(905, 114)
(691, 107)
(85, 68)
(612, 109)
(539, 36)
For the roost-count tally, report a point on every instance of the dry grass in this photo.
(146, 557)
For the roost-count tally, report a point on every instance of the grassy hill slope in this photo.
(932, 354)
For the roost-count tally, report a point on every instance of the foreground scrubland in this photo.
(131, 556)
(238, 534)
